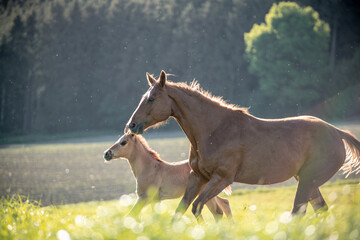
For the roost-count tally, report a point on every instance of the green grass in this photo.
(258, 215)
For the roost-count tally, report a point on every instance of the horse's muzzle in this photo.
(136, 128)
(108, 155)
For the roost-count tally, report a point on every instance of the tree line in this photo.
(80, 65)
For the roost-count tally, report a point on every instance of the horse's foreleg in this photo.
(193, 188)
(212, 188)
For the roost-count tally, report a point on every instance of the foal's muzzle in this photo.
(136, 128)
(108, 155)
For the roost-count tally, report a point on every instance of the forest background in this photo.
(78, 66)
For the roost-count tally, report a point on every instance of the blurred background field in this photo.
(74, 171)
(71, 171)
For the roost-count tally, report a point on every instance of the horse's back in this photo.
(277, 149)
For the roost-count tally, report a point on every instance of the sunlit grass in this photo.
(258, 215)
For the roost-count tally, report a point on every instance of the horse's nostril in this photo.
(108, 155)
(132, 125)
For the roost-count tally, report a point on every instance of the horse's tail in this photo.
(227, 190)
(352, 146)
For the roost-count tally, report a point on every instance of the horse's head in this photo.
(154, 106)
(122, 148)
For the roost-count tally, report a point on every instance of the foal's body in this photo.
(168, 179)
(228, 144)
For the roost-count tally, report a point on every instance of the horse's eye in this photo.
(150, 100)
(123, 143)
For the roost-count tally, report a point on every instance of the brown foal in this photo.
(169, 180)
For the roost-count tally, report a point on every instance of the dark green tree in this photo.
(290, 53)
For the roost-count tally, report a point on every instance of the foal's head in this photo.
(122, 148)
(154, 106)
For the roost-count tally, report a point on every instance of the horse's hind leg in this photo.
(302, 196)
(214, 208)
(307, 192)
(317, 201)
(308, 189)
(311, 176)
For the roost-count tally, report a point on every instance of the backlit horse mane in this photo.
(195, 88)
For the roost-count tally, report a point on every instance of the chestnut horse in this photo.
(150, 171)
(230, 145)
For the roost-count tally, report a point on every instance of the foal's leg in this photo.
(193, 188)
(214, 208)
(212, 188)
(140, 203)
(225, 206)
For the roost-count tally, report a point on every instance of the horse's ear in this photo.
(150, 79)
(126, 129)
(162, 79)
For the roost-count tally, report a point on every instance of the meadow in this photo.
(68, 192)
(258, 214)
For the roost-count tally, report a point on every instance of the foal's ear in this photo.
(162, 78)
(150, 79)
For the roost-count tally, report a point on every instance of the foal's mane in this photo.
(195, 88)
(147, 148)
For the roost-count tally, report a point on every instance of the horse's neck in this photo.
(140, 160)
(196, 114)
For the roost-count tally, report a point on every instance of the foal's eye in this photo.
(150, 100)
(123, 143)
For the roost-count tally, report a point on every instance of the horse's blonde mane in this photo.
(195, 88)
(147, 148)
